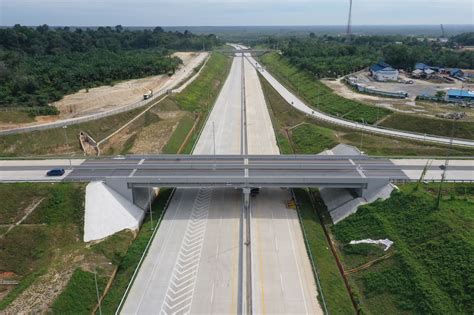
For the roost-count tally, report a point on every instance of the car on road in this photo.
(56, 172)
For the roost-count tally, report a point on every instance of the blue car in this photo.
(55, 172)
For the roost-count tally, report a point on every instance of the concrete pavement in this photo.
(194, 263)
(301, 106)
(282, 278)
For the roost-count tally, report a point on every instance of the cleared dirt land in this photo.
(409, 105)
(105, 98)
(127, 92)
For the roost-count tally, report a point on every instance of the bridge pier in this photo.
(139, 196)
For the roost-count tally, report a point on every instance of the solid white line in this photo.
(281, 283)
(156, 267)
(212, 293)
(296, 261)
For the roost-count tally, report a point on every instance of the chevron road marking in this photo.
(180, 291)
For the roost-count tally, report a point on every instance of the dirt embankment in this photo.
(103, 98)
(124, 93)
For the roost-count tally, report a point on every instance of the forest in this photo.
(40, 65)
(331, 56)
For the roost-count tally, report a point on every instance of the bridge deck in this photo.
(240, 171)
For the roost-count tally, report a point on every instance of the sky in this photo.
(233, 12)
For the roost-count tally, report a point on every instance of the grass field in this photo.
(307, 135)
(440, 127)
(48, 243)
(336, 297)
(318, 95)
(27, 251)
(179, 135)
(53, 141)
(430, 270)
(131, 258)
(16, 117)
(80, 295)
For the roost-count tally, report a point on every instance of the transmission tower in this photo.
(349, 21)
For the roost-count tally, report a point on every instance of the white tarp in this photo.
(386, 242)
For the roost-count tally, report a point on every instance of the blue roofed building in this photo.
(456, 73)
(461, 96)
(382, 71)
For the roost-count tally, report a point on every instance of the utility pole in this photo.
(349, 21)
(97, 291)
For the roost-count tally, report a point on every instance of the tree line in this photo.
(40, 65)
(331, 56)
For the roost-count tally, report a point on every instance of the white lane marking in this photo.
(296, 261)
(157, 266)
(281, 283)
(212, 293)
(180, 292)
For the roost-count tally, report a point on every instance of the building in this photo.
(468, 73)
(383, 72)
(456, 73)
(461, 96)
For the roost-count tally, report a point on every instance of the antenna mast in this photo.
(349, 21)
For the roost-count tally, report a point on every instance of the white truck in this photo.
(148, 94)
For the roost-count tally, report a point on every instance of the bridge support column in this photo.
(373, 188)
(141, 197)
(246, 192)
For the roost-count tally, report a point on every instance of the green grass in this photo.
(132, 257)
(317, 94)
(201, 94)
(80, 295)
(335, 293)
(115, 247)
(15, 117)
(198, 98)
(28, 250)
(316, 135)
(430, 125)
(321, 97)
(431, 271)
(311, 139)
(179, 135)
(53, 141)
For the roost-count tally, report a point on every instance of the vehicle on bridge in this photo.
(56, 172)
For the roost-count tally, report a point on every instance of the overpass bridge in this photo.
(134, 176)
(239, 171)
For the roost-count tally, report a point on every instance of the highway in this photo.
(195, 262)
(282, 278)
(294, 101)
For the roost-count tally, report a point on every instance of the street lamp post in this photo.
(67, 143)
